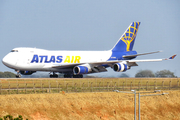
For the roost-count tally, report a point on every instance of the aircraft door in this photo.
(29, 57)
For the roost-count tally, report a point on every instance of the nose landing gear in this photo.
(18, 75)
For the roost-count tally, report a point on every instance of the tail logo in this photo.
(130, 34)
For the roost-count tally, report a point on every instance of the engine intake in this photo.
(82, 69)
(120, 67)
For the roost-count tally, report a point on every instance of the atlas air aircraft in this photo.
(77, 63)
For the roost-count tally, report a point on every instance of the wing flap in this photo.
(132, 64)
(99, 69)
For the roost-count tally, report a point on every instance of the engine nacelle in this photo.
(82, 69)
(27, 72)
(120, 67)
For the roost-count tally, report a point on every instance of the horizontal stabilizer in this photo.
(130, 56)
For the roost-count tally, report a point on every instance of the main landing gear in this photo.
(72, 76)
(54, 75)
(77, 76)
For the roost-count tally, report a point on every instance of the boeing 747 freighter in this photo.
(75, 64)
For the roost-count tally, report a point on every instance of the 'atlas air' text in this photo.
(55, 59)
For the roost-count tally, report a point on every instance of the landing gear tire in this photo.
(18, 76)
(53, 75)
(77, 76)
(67, 76)
(72, 76)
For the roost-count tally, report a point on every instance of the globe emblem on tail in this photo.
(130, 35)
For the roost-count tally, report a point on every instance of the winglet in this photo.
(172, 57)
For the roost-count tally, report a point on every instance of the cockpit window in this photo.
(14, 50)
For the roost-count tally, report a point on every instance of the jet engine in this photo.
(82, 69)
(120, 67)
(27, 72)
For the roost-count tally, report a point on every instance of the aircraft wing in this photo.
(98, 66)
(132, 62)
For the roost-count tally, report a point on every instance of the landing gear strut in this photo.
(54, 75)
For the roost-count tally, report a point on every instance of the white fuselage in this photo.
(33, 59)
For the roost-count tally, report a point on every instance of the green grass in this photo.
(55, 85)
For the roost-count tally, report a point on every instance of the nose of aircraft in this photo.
(8, 61)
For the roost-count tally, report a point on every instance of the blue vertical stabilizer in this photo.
(126, 41)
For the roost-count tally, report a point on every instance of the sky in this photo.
(93, 25)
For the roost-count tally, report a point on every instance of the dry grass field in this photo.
(90, 106)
